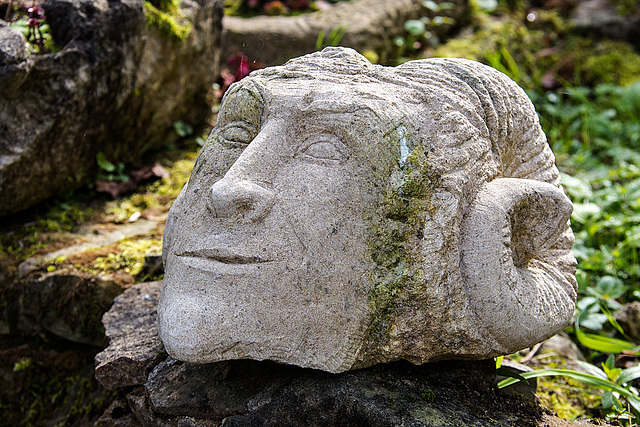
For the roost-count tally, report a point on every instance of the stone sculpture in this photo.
(344, 214)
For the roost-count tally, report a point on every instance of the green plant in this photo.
(502, 61)
(595, 133)
(419, 33)
(605, 343)
(29, 19)
(333, 39)
(183, 129)
(111, 171)
(619, 397)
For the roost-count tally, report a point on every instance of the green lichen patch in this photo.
(397, 231)
(168, 20)
(23, 236)
(129, 256)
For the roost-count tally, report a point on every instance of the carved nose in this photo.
(243, 200)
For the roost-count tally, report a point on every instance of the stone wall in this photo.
(116, 87)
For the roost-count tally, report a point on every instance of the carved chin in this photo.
(183, 330)
(206, 317)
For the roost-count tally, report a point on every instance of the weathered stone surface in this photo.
(134, 346)
(118, 414)
(12, 46)
(14, 59)
(369, 25)
(373, 214)
(250, 393)
(67, 301)
(116, 86)
(67, 304)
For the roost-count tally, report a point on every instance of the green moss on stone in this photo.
(627, 7)
(397, 231)
(609, 61)
(130, 256)
(168, 21)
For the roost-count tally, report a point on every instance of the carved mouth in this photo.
(224, 256)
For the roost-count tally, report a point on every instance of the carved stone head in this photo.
(344, 214)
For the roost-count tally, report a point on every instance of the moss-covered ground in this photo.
(47, 380)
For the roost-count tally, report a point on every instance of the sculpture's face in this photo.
(274, 255)
(345, 214)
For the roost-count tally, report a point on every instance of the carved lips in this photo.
(224, 255)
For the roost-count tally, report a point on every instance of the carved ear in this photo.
(517, 262)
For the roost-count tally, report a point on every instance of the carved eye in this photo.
(238, 132)
(325, 148)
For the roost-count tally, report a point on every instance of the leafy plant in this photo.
(30, 20)
(111, 171)
(595, 133)
(620, 399)
(420, 32)
(604, 343)
(238, 67)
(270, 7)
(502, 61)
(183, 129)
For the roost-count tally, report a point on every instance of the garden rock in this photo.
(243, 393)
(67, 304)
(134, 347)
(14, 59)
(600, 18)
(116, 87)
(57, 293)
(369, 25)
(372, 214)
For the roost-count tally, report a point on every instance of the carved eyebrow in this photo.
(324, 105)
(255, 89)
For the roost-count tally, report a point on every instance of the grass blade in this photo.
(583, 378)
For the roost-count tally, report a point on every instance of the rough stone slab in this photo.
(134, 345)
(66, 303)
(118, 414)
(94, 241)
(250, 393)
